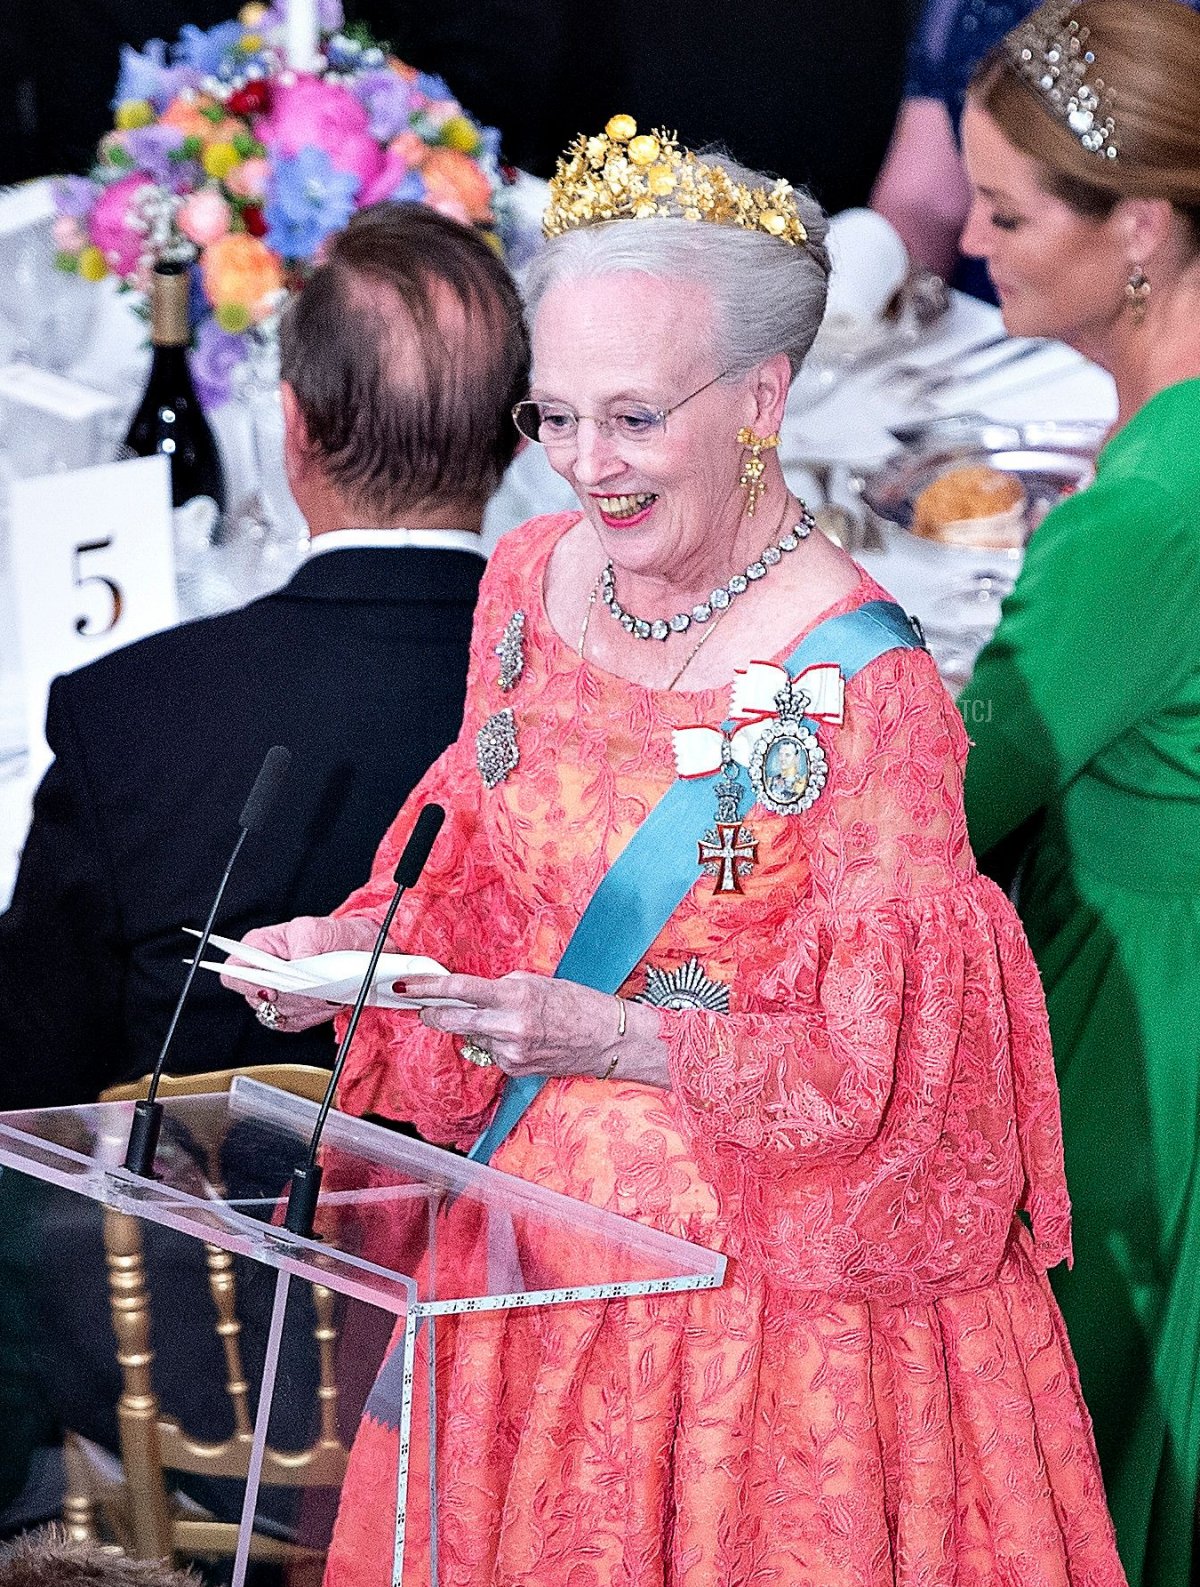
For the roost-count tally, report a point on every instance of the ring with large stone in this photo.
(475, 1054)
(267, 1014)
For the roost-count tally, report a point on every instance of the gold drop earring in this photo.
(1137, 291)
(753, 466)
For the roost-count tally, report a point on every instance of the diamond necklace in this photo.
(664, 627)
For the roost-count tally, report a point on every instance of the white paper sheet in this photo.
(329, 977)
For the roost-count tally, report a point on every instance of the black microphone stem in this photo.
(147, 1115)
(306, 1181)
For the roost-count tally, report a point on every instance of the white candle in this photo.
(301, 34)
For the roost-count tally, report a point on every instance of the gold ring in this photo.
(475, 1054)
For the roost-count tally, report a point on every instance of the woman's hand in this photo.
(298, 939)
(534, 1025)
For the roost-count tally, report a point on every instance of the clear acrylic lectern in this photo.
(405, 1233)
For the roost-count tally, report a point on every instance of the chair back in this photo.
(152, 1444)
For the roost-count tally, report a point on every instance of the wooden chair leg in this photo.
(79, 1506)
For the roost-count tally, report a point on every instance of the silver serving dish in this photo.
(1052, 458)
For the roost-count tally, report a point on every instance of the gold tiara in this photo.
(622, 174)
(1050, 51)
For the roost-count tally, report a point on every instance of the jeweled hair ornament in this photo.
(621, 174)
(1050, 50)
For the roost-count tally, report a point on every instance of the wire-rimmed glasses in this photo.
(554, 424)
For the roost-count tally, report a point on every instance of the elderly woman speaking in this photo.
(706, 888)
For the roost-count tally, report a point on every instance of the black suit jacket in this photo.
(359, 667)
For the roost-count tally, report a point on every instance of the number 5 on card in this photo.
(92, 568)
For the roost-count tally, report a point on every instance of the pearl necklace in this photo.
(664, 627)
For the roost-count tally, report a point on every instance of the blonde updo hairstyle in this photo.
(768, 295)
(1148, 53)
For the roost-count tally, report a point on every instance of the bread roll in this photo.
(974, 505)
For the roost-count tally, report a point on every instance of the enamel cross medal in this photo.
(728, 849)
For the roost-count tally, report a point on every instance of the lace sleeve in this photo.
(895, 1054)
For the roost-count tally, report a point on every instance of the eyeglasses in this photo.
(555, 424)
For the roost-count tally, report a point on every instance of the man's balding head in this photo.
(404, 354)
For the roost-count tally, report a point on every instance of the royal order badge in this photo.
(787, 765)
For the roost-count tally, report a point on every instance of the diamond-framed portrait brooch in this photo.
(787, 767)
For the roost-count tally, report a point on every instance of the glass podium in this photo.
(405, 1234)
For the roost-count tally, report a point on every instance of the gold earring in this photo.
(752, 468)
(1137, 292)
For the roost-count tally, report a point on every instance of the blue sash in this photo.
(656, 870)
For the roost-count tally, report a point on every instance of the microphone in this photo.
(147, 1115)
(306, 1178)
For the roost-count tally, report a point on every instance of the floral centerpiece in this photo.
(223, 155)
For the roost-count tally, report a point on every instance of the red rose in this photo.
(254, 220)
(250, 100)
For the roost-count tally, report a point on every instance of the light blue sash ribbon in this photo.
(656, 870)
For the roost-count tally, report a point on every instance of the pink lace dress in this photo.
(882, 1392)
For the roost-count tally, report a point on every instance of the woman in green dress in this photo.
(1082, 140)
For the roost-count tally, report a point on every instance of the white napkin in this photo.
(870, 262)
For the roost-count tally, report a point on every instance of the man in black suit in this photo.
(401, 359)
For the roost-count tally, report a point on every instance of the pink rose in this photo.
(203, 217)
(392, 173)
(312, 114)
(411, 147)
(68, 235)
(249, 179)
(439, 111)
(457, 184)
(115, 226)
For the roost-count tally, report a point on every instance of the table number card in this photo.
(92, 569)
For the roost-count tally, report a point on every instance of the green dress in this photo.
(1085, 712)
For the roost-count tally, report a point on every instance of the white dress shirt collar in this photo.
(395, 539)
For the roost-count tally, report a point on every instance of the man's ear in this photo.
(296, 446)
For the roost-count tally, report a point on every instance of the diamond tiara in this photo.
(1050, 51)
(621, 174)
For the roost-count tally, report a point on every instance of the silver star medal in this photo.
(684, 988)
(728, 849)
(788, 767)
(511, 651)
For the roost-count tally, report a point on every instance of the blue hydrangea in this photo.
(308, 198)
(432, 87)
(205, 51)
(143, 73)
(412, 190)
(388, 101)
(151, 149)
(74, 196)
(214, 362)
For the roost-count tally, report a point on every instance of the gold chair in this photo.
(139, 1509)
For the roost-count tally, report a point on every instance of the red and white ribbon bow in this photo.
(751, 706)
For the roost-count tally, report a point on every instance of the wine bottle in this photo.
(169, 418)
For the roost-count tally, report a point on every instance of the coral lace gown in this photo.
(882, 1391)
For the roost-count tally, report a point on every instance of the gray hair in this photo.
(769, 295)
